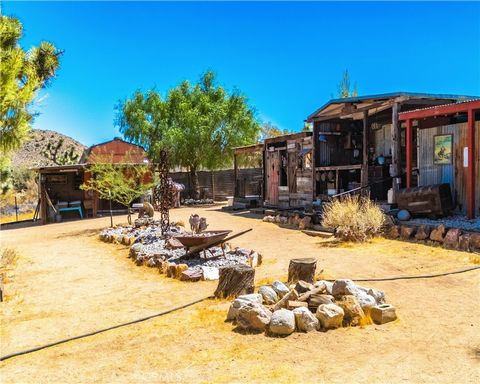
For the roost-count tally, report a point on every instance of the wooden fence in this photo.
(221, 183)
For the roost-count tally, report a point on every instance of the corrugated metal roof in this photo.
(387, 96)
(441, 106)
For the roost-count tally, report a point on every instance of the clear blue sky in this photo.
(288, 58)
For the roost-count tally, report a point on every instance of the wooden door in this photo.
(273, 169)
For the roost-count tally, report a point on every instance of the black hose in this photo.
(6, 357)
(415, 277)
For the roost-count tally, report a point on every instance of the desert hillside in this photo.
(48, 148)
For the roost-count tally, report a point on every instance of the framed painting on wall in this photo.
(442, 149)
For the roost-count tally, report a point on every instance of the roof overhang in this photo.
(355, 107)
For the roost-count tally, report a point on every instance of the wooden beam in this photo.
(248, 149)
(384, 105)
(396, 149)
(364, 174)
(409, 144)
(471, 165)
(339, 167)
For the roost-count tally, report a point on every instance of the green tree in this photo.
(22, 75)
(344, 87)
(268, 130)
(198, 123)
(122, 183)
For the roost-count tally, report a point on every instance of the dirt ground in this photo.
(66, 282)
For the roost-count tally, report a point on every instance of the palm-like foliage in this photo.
(22, 74)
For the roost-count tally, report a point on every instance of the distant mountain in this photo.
(48, 148)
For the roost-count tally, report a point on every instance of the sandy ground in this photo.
(67, 282)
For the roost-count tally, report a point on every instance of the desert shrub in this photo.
(354, 218)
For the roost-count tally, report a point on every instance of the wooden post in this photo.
(396, 166)
(471, 165)
(235, 281)
(213, 184)
(43, 199)
(235, 175)
(364, 171)
(302, 269)
(409, 143)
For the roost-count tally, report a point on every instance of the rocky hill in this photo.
(48, 148)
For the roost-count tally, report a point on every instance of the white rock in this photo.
(253, 297)
(343, 287)
(327, 284)
(240, 302)
(253, 316)
(210, 273)
(305, 320)
(253, 260)
(378, 295)
(268, 294)
(330, 316)
(280, 288)
(282, 322)
(365, 300)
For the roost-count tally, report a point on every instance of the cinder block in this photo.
(383, 313)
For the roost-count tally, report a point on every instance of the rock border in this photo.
(450, 238)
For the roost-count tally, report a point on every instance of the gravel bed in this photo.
(460, 222)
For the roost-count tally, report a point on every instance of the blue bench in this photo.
(79, 209)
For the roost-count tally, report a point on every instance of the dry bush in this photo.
(354, 218)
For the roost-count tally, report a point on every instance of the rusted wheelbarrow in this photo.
(196, 243)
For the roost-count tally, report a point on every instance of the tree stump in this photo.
(302, 269)
(235, 281)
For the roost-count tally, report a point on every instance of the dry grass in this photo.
(355, 218)
(8, 259)
(12, 218)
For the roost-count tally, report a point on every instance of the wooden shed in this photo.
(442, 145)
(59, 186)
(359, 144)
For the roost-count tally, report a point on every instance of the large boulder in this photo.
(282, 322)
(438, 233)
(406, 232)
(474, 240)
(423, 232)
(330, 316)
(378, 295)
(253, 316)
(240, 302)
(451, 238)
(343, 287)
(354, 313)
(365, 300)
(268, 294)
(280, 288)
(305, 320)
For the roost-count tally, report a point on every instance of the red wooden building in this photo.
(59, 186)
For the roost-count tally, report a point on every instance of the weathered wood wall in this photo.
(223, 182)
(455, 173)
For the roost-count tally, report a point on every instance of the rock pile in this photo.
(190, 202)
(149, 247)
(303, 307)
(452, 238)
(295, 220)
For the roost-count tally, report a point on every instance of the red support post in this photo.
(409, 143)
(471, 165)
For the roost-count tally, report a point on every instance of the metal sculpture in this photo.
(164, 190)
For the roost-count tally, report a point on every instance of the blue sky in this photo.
(288, 58)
